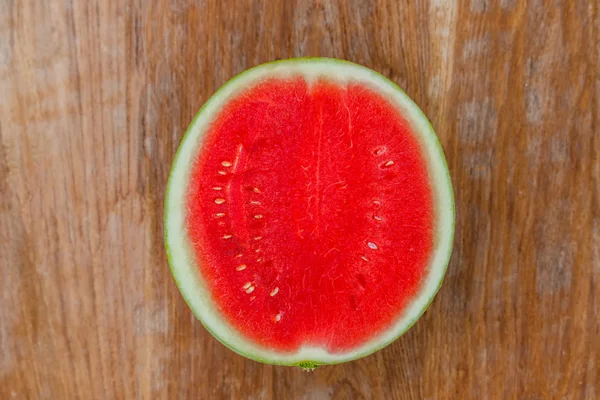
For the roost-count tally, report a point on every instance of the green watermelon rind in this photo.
(414, 113)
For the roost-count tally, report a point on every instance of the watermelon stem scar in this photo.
(309, 214)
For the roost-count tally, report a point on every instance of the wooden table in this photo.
(96, 95)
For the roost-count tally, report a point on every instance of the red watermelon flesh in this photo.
(310, 213)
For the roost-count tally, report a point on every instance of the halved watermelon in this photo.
(309, 213)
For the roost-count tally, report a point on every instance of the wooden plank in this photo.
(95, 96)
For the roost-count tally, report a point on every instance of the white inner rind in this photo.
(180, 253)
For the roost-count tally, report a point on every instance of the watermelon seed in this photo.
(222, 173)
(278, 317)
(379, 151)
(247, 285)
(388, 164)
(361, 281)
(377, 218)
(241, 267)
(259, 260)
(372, 245)
(258, 216)
(217, 188)
(226, 164)
(257, 237)
(274, 292)
(257, 250)
(239, 255)
(227, 236)
(219, 215)
(255, 203)
(256, 190)
(364, 258)
(376, 202)
(219, 200)
(250, 289)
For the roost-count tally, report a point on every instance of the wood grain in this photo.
(95, 96)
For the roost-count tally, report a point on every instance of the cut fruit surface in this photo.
(303, 203)
(309, 212)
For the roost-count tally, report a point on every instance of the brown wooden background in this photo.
(95, 96)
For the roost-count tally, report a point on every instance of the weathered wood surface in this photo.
(95, 96)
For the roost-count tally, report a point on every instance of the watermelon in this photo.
(309, 213)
